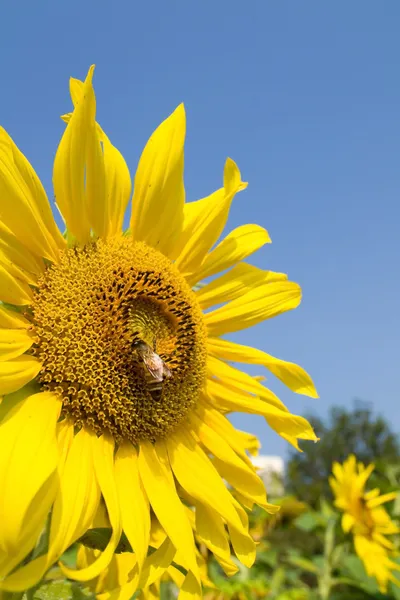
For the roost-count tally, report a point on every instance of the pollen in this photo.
(89, 313)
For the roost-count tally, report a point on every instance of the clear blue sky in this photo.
(305, 96)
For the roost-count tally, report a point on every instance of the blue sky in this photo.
(305, 96)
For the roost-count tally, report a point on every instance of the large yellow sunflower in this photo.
(366, 518)
(114, 375)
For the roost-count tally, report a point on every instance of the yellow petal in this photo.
(223, 427)
(13, 290)
(26, 576)
(259, 304)
(118, 184)
(347, 522)
(230, 466)
(14, 270)
(135, 509)
(191, 588)
(156, 564)
(12, 319)
(289, 373)
(374, 502)
(20, 256)
(238, 379)
(159, 485)
(159, 194)
(176, 576)
(77, 499)
(374, 493)
(25, 210)
(65, 436)
(196, 474)
(14, 342)
(239, 280)
(117, 178)
(242, 542)
(78, 175)
(290, 427)
(103, 462)
(28, 462)
(204, 220)
(211, 532)
(237, 245)
(16, 373)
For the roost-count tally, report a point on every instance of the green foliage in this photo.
(346, 432)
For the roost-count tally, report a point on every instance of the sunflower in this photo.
(366, 518)
(117, 574)
(114, 373)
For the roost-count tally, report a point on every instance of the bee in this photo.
(155, 368)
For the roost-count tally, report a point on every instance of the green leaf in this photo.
(307, 521)
(98, 538)
(326, 508)
(304, 564)
(268, 557)
(62, 590)
(277, 580)
(354, 568)
(338, 554)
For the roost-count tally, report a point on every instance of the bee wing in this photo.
(154, 365)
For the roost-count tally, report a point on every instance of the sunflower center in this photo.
(121, 339)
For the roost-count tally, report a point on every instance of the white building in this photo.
(271, 469)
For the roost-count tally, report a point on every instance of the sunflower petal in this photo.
(103, 463)
(25, 210)
(19, 255)
(25, 577)
(159, 194)
(205, 219)
(259, 304)
(237, 245)
(159, 485)
(14, 270)
(224, 428)
(135, 509)
(118, 184)
(191, 588)
(211, 532)
(14, 342)
(10, 319)
(28, 462)
(196, 474)
(230, 466)
(65, 436)
(290, 427)
(242, 542)
(16, 373)
(13, 290)
(289, 373)
(79, 175)
(239, 280)
(157, 563)
(374, 502)
(236, 378)
(117, 178)
(77, 499)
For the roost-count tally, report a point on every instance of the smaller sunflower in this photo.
(366, 518)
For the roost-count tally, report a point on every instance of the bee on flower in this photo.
(114, 369)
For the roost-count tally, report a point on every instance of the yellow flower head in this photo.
(114, 375)
(366, 518)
